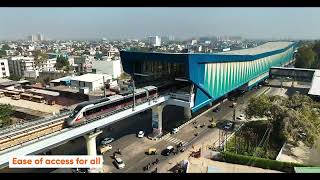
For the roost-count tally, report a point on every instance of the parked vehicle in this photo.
(119, 163)
(140, 134)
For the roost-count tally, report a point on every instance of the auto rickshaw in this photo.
(152, 151)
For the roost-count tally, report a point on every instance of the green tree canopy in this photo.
(40, 58)
(295, 118)
(305, 57)
(15, 77)
(62, 63)
(6, 110)
(5, 47)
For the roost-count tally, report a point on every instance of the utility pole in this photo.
(104, 87)
(134, 98)
(234, 113)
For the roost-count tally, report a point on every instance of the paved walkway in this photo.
(300, 154)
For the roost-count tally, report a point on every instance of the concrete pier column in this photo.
(187, 113)
(92, 146)
(157, 119)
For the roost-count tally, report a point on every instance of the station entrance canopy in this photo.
(212, 75)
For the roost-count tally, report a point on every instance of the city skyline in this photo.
(123, 23)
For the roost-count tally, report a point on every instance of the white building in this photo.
(193, 42)
(4, 68)
(112, 68)
(113, 53)
(40, 37)
(49, 65)
(154, 40)
(18, 65)
(91, 81)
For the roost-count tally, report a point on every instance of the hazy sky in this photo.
(85, 23)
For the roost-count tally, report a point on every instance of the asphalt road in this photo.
(135, 164)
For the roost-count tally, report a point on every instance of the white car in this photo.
(107, 141)
(228, 125)
(241, 117)
(175, 130)
(119, 163)
(140, 134)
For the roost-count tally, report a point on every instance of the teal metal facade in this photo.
(215, 75)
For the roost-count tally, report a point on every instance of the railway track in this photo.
(20, 126)
(42, 128)
(25, 132)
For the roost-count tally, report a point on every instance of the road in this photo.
(133, 153)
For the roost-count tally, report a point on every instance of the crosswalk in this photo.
(175, 140)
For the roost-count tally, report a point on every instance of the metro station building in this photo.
(209, 77)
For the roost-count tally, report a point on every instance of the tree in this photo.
(5, 47)
(124, 76)
(316, 49)
(6, 110)
(305, 57)
(40, 58)
(258, 106)
(15, 78)
(2, 53)
(62, 63)
(292, 119)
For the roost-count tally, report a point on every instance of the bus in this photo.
(38, 99)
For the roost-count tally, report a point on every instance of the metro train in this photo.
(91, 109)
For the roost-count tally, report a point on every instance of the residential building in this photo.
(112, 68)
(49, 65)
(4, 68)
(154, 40)
(91, 81)
(19, 65)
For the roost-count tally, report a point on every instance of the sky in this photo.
(120, 23)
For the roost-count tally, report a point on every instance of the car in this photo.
(168, 151)
(241, 117)
(212, 125)
(152, 151)
(140, 134)
(106, 141)
(174, 130)
(105, 148)
(217, 109)
(228, 126)
(119, 163)
(79, 170)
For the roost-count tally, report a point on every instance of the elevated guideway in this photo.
(94, 125)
